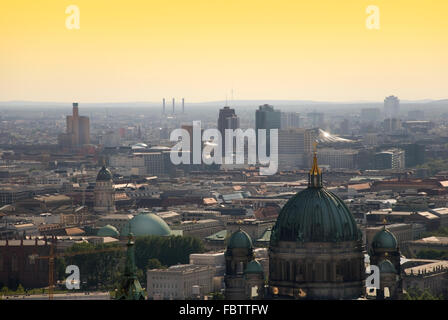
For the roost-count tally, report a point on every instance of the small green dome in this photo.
(108, 231)
(146, 224)
(384, 240)
(386, 266)
(254, 267)
(315, 215)
(104, 175)
(240, 239)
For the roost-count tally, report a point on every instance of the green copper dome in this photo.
(108, 231)
(315, 215)
(254, 267)
(147, 224)
(384, 240)
(240, 239)
(386, 266)
(104, 175)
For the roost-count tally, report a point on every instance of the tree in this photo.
(20, 289)
(5, 290)
(96, 269)
(419, 294)
(154, 263)
(167, 250)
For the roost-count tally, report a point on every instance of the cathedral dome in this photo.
(254, 267)
(104, 175)
(240, 239)
(108, 231)
(384, 240)
(147, 224)
(315, 215)
(386, 266)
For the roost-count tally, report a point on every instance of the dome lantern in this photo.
(315, 175)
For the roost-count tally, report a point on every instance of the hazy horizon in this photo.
(212, 50)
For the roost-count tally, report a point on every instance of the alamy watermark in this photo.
(373, 20)
(72, 21)
(73, 280)
(188, 150)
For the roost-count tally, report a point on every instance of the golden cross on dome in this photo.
(315, 147)
(315, 169)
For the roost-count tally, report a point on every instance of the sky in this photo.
(205, 50)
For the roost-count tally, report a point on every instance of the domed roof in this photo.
(315, 215)
(240, 239)
(146, 224)
(384, 239)
(254, 267)
(386, 266)
(104, 175)
(108, 231)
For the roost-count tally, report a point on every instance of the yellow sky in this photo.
(200, 49)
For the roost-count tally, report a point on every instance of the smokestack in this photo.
(163, 110)
(173, 105)
(183, 105)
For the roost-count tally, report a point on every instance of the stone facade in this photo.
(317, 270)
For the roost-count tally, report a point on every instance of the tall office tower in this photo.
(290, 120)
(370, 114)
(163, 108)
(173, 105)
(78, 130)
(391, 107)
(390, 159)
(193, 151)
(267, 118)
(227, 120)
(316, 119)
(391, 125)
(183, 105)
(291, 148)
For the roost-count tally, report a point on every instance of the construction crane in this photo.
(53, 255)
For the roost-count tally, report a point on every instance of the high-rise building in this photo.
(414, 154)
(390, 159)
(291, 148)
(391, 107)
(290, 120)
(227, 120)
(198, 151)
(267, 118)
(391, 124)
(78, 130)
